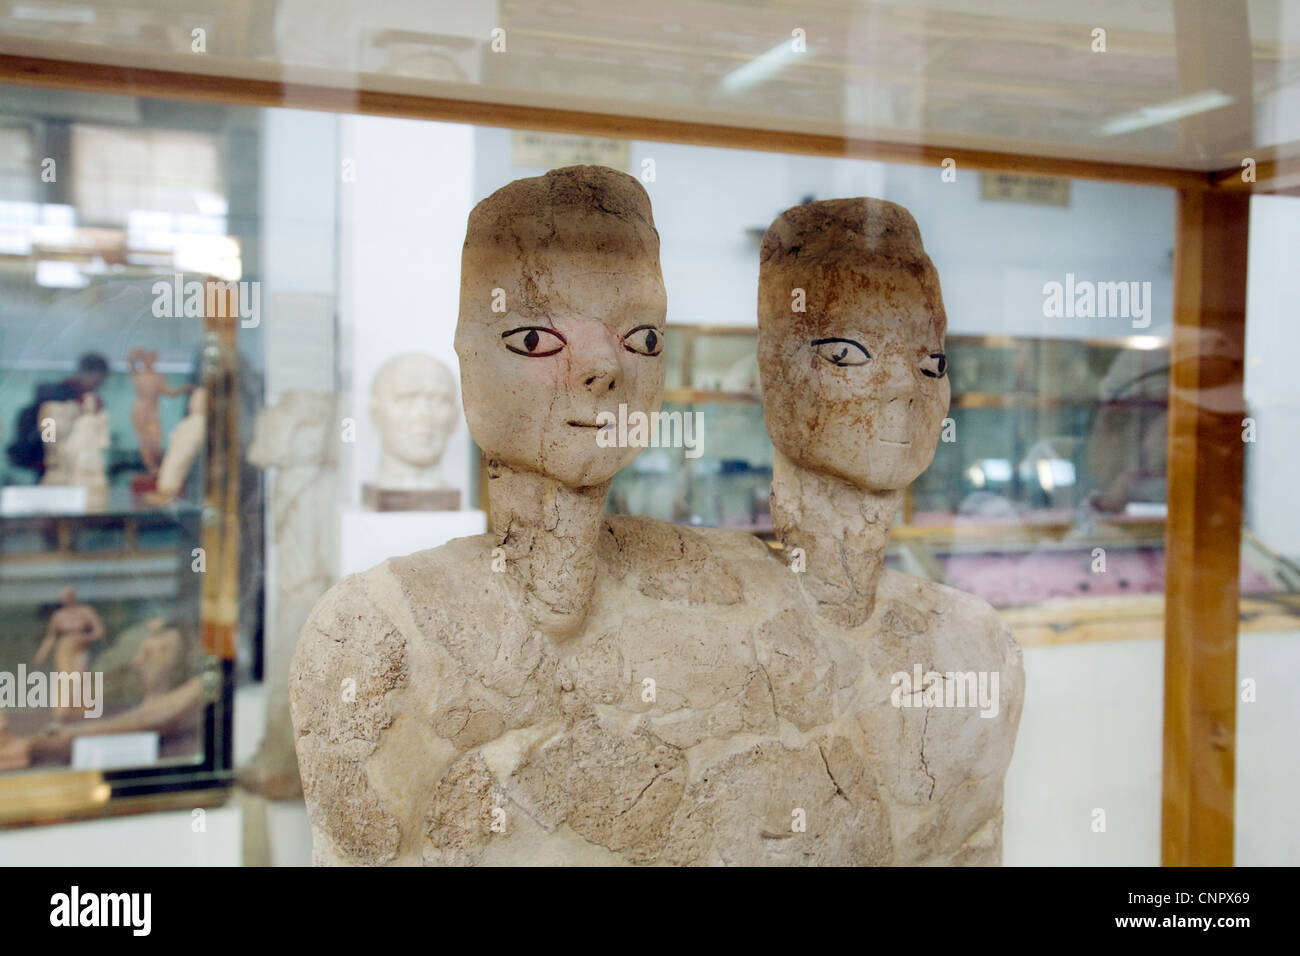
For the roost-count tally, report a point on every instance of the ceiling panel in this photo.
(1196, 84)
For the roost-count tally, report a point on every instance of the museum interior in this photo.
(235, 369)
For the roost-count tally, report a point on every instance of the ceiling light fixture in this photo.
(1163, 113)
(759, 69)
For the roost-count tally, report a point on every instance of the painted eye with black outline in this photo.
(644, 340)
(934, 365)
(842, 352)
(534, 341)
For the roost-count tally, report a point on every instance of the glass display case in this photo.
(1114, 483)
(711, 379)
(1063, 451)
(116, 508)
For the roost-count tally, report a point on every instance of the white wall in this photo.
(299, 251)
(1090, 737)
(1272, 385)
(299, 258)
(1268, 765)
(148, 839)
(402, 225)
(993, 257)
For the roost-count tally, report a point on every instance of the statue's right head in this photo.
(851, 330)
(562, 312)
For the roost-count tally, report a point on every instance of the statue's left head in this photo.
(562, 313)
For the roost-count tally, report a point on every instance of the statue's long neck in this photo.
(843, 531)
(549, 533)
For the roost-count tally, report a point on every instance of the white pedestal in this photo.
(142, 839)
(367, 538)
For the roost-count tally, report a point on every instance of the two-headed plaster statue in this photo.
(573, 687)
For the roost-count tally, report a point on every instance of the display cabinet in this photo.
(711, 379)
(1053, 422)
(117, 663)
(1131, 449)
(1064, 453)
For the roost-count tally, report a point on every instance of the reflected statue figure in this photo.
(156, 659)
(296, 440)
(150, 386)
(56, 420)
(79, 433)
(71, 631)
(187, 439)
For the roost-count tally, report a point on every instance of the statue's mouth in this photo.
(577, 424)
(890, 441)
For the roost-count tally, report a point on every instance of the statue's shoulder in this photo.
(458, 554)
(369, 616)
(348, 619)
(439, 587)
(349, 666)
(351, 670)
(959, 622)
(676, 562)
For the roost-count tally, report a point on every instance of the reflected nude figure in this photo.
(165, 706)
(15, 752)
(576, 688)
(186, 441)
(71, 631)
(150, 386)
(155, 659)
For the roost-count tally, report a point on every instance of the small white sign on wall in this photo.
(42, 500)
(534, 149)
(115, 750)
(1018, 187)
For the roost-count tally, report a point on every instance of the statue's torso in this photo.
(696, 719)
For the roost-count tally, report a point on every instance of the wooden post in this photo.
(219, 601)
(1203, 533)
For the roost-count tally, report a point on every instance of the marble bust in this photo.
(576, 688)
(413, 407)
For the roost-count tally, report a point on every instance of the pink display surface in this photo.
(1008, 579)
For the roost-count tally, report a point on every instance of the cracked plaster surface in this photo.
(451, 714)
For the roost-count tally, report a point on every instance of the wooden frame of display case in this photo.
(1203, 534)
